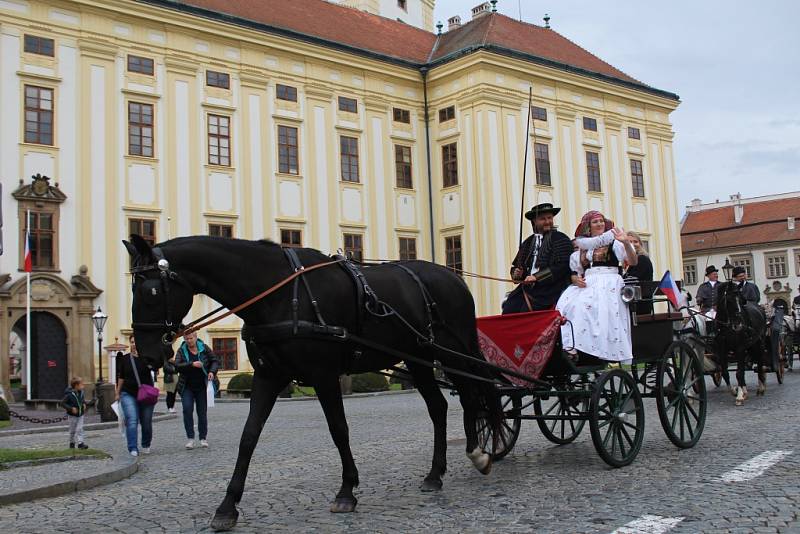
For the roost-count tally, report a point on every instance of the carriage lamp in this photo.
(99, 319)
(727, 269)
(630, 293)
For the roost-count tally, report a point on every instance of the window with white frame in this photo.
(776, 264)
(690, 273)
(797, 261)
(745, 261)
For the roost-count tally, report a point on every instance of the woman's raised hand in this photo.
(619, 234)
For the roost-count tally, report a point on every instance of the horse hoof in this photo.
(431, 484)
(344, 505)
(739, 403)
(486, 470)
(224, 522)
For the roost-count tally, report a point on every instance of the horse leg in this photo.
(479, 458)
(329, 394)
(761, 358)
(741, 366)
(262, 400)
(425, 382)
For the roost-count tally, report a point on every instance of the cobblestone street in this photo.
(539, 487)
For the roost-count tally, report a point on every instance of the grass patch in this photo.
(5, 424)
(18, 455)
(395, 387)
(303, 391)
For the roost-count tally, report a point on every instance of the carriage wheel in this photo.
(716, 377)
(682, 400)
(561, 431)
(617, 418)
(509, 428)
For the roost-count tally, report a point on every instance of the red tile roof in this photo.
(360, 32)
(763, 222)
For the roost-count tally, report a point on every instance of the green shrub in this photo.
(241, 382)
(369, 382)
(4, 415)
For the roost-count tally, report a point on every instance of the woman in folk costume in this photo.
(599, 319)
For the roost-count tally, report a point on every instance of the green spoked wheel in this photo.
(561, 431)
(616, 418)
(681, 398)
(509, 428)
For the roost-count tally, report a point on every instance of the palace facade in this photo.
(306, 122)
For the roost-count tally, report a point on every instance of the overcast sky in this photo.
(734, 63)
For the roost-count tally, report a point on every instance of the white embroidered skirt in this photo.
(599, 319)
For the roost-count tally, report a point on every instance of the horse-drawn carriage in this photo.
(762, 341)
(562, 394)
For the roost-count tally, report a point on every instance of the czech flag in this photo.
(28, 255)
(670, 289)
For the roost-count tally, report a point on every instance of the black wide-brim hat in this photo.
(539, 209)
(711, 269)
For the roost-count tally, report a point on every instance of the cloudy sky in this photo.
(734, 63)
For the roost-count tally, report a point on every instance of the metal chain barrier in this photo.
(41, 421)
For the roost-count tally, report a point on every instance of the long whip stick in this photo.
(525, 162)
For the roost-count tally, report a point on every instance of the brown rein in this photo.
(200, 323)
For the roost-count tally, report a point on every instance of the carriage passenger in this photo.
(748, 289)
(599, 320)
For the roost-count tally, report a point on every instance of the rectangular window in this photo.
(291, 238)
(38, 115)
(220, 230)
(142, 65)
(408, 248)
(287, 150)
(227, 350)
(402, 163)
(797, 262)
(633, 133)
(349, 154)
(402, 4)
(218, 79)
(140, 129)
(354, 246)
(744, 261)
(401, 115)
(39, 45)
(776, 265)
(542, 154)
(219, 140)
(286, 92)
(146, 228)
(593, 171)
(590, 124)
(452, 250)
(539, 114)
(446, 114)
(637, 178)
(690, 274)
(42, 240)
(348, 104)
(450, 165)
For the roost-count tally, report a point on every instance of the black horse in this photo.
(302, 332)
(740, 330)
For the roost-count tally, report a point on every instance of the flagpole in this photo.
(28, 383)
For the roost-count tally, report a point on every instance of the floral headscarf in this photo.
(584, 228)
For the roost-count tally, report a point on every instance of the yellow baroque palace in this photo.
(306, 122)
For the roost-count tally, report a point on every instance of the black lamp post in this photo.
(728, 270)
(99, 319)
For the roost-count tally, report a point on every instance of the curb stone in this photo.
(55, 460)
(313, 398)
(86, 428)
(121, 469)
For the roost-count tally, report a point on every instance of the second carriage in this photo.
(563, 395)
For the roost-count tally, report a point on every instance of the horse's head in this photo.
(729, 306)
(160, 300)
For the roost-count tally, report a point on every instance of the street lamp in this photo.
(99, 319)
(727, 269)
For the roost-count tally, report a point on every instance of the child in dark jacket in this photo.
(75, 404)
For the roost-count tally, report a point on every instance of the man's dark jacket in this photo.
(552, 273)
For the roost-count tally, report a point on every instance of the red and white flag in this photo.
(28, 255)
(670, 289)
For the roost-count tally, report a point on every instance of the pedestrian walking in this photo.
(197, 366)
(133, 372)
(75, 404)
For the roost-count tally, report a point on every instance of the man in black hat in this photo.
(749, 290)
(541, 266)
(707, 292)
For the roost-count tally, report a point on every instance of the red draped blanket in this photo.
(521, 342)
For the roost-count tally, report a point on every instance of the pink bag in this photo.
(147, 394)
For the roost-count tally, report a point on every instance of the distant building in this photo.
(417, 13)
(760, 234)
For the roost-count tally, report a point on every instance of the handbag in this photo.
(147, 394)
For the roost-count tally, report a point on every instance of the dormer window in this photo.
(402, 4)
